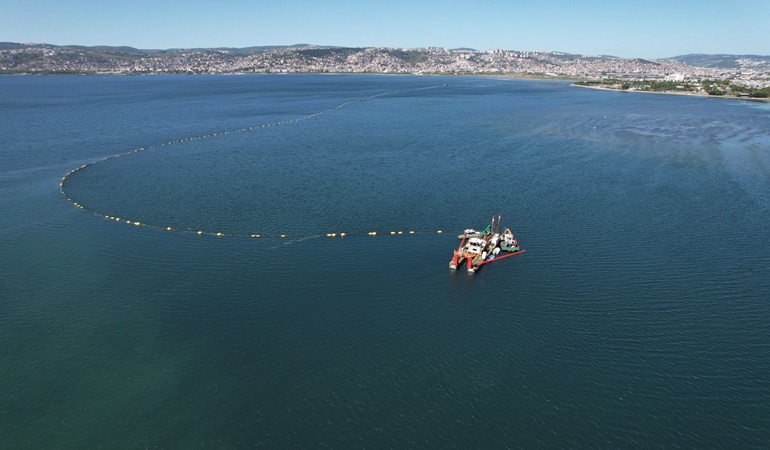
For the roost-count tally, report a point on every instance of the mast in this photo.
(492, 227)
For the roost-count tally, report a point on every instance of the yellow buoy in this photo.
(439, 231)
(137, 223)
(200, 232)
(168, 228)
(342, 234)
(400, 232)
(219, 234)
(411, 232)
(392, 232)
(283, 235)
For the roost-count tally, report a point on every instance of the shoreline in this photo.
(525, 76)
(684, 94)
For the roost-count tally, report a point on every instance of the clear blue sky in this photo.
(643, 28)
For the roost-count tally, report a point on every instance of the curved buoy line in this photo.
(66, 177)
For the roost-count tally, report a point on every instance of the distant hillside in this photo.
(11, 46)
(74, 59)
(126, 50)
(724, 61)
(15, 58)
(109, 49)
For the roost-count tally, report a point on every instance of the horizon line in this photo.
(299, 45)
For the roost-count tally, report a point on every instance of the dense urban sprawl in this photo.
(50, 59)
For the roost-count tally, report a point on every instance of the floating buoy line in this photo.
(254, 235)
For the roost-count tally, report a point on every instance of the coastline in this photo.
(685, 94)
(528, 76)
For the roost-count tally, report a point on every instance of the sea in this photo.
(174, 274)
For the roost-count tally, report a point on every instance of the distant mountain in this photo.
(722, 61)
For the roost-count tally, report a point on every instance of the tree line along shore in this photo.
(716, 88)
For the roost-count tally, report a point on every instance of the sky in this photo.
(632, 29)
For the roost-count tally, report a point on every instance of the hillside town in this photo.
(51, 59)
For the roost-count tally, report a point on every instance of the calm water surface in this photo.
(637, 317)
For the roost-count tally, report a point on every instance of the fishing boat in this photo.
(479, 248)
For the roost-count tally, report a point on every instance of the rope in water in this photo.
(66, 179)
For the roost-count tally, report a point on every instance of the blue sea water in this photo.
(637, 317)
